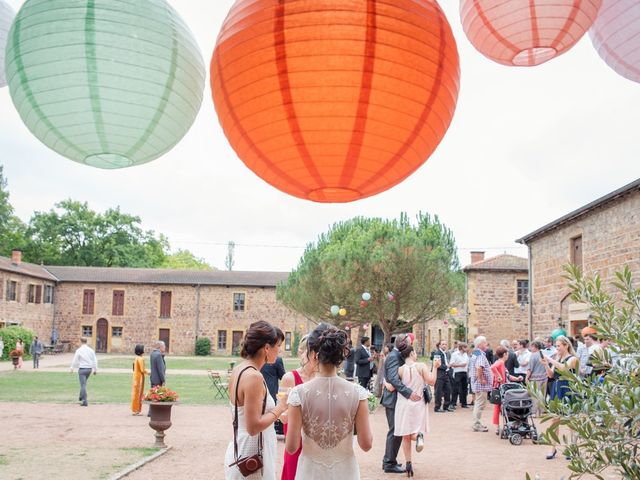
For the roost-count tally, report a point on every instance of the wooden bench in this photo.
(219, 385)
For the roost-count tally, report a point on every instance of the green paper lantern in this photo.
(557, 333)
(107, 83)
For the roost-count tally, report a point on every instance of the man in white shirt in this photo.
(86, 362)
(459, 363)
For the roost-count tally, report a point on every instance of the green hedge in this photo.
(203, 346)
(10, 335)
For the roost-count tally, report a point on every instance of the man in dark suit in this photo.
(349, 363)
(363, 361)
(443, 379)
(158, 366)
(391, 365)
(273, 373)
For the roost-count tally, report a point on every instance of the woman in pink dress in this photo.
(412, 418)
(304, 373)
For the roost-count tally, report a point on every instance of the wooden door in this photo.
(102, 330)
(577, 326)
(237, 340)
(165, 335)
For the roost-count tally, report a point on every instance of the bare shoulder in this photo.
(288, 380)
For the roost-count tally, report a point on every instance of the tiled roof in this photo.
(501, 262)
(24, 268)
(166, 276)
(622, 191)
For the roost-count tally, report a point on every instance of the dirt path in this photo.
(63, 440)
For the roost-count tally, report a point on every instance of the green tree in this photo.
(411, 271)
(185, 260)
(12, 229)
(73, 234)
(605, 413)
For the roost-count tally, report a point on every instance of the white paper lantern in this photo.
(6, 18)
(107, 83)
(616, 36)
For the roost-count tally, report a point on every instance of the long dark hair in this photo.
(260, 333)
(331, 344)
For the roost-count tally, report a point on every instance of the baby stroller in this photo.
(517, 414)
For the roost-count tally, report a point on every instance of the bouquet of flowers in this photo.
(161, 394)
(372, 402)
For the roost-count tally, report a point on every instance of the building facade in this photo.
(602, 237)
(497, 297)
(117, 308)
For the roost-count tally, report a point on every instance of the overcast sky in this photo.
(526, 146)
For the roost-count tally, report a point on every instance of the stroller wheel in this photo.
(515, 439)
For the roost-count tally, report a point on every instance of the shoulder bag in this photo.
(246, 465)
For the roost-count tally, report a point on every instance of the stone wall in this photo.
(610, 240)
(205, 309)
(35, 316)
(493, 306)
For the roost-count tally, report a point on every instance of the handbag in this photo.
(246, 465)
(494, 396)
(426, 394)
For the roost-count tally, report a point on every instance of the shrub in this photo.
(605, 412)
(11, 334)
(296, 343)
(203, 346)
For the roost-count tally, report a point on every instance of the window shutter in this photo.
(38, 293)
(117, 307)
(165, 304)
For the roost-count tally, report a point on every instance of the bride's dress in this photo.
(329, 406)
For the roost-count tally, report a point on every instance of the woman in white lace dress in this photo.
(256, 409)
(323, 413)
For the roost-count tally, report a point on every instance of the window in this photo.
(117, 305)
(222, 339)
(522, 290)
(48, 294)
(87, 331)
(116, 332)
(238, 302)
(576, 251)
(287, 341)
(38, 293)
(165, 304)
(12, 291)
(88, 299)
(31, 297)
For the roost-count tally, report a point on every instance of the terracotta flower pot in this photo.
(160, 420)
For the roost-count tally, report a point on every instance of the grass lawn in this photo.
(57, 387)
(190, 363)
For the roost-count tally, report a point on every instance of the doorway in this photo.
(164, 334)
(236, 341)
(102, 329)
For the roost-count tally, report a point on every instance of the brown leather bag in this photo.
(246, 465)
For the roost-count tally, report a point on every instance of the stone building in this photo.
(602, 236)
(497, 297)
(119, 307)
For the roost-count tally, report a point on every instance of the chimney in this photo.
(16, 256)
(477, 257)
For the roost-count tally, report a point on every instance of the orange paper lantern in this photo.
(335, 100)
(616, 36)
(526, 32)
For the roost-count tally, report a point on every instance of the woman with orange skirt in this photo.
(137, 389)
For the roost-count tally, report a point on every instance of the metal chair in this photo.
(220, 387)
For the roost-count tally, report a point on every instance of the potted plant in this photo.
(160, 400)
(15, 357)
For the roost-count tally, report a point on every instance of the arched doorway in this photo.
(102, 330)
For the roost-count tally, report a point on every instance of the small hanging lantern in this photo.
(6, 18)
(366, 296)
(363, 303)
(616, 36)
(342, 312)
(453, 311)
(335, 309)
(103, 85)
(525, 33)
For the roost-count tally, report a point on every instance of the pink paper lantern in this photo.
(616, 36)
(525, 33)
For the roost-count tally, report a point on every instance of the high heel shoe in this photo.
(409, 469)
(552, 455)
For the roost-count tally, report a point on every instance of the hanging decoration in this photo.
(453, 311)
(6, 18)
(366, 296)
(342, 312)
(557, 333)
(588, 331)
(363, 303)
(525, 33)
(333, 100)
(390, 296)
(616, 36)
(107, 84)
(335, 309)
